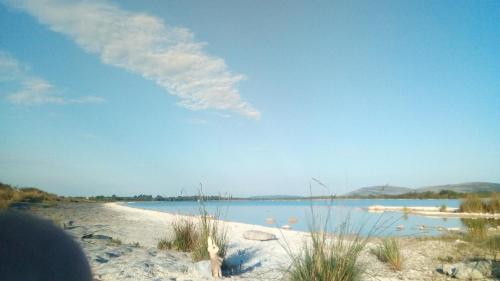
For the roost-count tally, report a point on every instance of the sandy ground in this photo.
(137, 257)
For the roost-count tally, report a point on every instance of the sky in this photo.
(247, 97)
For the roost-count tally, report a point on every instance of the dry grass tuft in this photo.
(185, 235)
(192, 236)
(477, 229)
(472, 204)
(327, 257)
(389, 251)
(209, 226)
(10, 195)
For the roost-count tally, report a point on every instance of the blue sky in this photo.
(247, 97)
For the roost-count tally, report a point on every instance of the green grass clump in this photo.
(472, 204)
(192, 236)
(328, 257)
(389, 251)
(477, 229)
(209, 226)
(185, 235)
(328, 260)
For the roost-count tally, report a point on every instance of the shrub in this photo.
(472, 204)
(389, 251)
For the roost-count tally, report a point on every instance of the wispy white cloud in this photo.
(33, 90)
(145, 45)
(10, 68)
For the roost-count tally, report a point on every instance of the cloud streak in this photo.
(145, 45)
(32, 90)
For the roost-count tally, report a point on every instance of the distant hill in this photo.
(463, 187)
(397, 190)
(380, 190)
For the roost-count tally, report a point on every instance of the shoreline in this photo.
(120, 206)
(125, 247)
(431, 211)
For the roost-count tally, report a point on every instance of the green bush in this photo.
(389, 251)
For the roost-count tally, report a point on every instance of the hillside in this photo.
(463, 187)
(380, 190)
(397, 190)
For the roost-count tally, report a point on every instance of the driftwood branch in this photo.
(215, 260)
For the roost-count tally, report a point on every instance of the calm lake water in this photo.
(259, 211)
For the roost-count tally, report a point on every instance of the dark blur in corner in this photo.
(33, 249)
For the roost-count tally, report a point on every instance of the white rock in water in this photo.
(258, 235)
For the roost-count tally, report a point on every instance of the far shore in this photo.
(431, 211)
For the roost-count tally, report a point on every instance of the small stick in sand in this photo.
(215, 260)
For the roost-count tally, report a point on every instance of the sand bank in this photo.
(431, 211)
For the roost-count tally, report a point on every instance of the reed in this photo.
(389, 251)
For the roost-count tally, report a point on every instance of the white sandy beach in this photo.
(254, 260)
